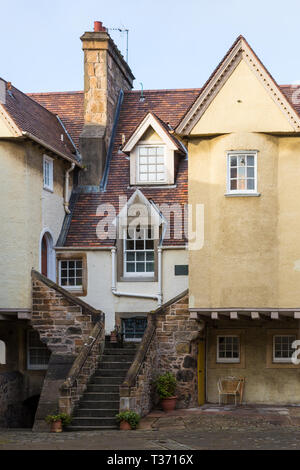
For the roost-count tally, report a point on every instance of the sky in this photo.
(172, 43)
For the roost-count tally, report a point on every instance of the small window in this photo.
(282, 348)
(139, 252)
(228, 349)
(151, 164)
(242, 173)
(38, 354)
(48, 173)
(70, 273)
(2, 352)
(134, 328)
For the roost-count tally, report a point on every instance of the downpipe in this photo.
(117, 293)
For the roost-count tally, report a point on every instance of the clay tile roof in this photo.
(31, 117)
(169, 106)
(68, 106)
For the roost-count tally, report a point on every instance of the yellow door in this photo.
(201, 372)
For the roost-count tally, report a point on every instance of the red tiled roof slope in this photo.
(31, 117)
(169, 106)
(69, 107)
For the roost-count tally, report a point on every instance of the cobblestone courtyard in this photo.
(207, 428)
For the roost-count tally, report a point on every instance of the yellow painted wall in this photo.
(265, 382)
(22, 215)
(242, 105)
(251, 252)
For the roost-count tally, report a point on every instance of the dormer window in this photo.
(154, 153)
(151, 164)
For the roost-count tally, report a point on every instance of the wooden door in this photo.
(201, 372)
(44, 257)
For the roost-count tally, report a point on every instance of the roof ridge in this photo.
(54, 93)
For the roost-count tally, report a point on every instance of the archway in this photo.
(47, 255)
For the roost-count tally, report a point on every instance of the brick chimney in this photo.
(105, 74)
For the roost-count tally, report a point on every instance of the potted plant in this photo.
(128, 419)
(57, 421)
(165, 387)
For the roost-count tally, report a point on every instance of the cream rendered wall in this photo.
(21, 212)
(242, 105)
(237, 265)
(99, 294)
(251, 252)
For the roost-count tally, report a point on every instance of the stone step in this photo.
(120, 351)
(103, 388)
(107, 380)
(90, 428)
(125, 345)
(108, 358)
(98, 404)
(97, 396)
(110, 373)
(95, 413)
(111, 421)
(114, 365)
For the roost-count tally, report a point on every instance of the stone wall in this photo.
(173, 347)
(64, 323)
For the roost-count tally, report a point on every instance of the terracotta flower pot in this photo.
(168, 404)
(124, 426)
(56, 426)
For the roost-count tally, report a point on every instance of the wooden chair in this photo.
(231, 386)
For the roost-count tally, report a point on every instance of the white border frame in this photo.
(241, 191)
(152, 144)
(51, 167)
(70, 288)
(281, 360)
(224, 360)
(135, 275)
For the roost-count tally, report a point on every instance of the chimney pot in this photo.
(98, 26)
(8, 85)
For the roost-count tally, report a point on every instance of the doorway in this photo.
(201, 372)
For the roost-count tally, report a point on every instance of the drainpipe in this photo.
(66, 198)
(133, 294)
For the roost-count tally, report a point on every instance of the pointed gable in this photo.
(240, 96)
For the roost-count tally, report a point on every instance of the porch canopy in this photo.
(244, 314)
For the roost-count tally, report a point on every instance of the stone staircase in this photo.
(100, 402)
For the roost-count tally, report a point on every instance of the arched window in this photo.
(47, 256)
(2, 352)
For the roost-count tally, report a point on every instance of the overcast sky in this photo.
(172, 43)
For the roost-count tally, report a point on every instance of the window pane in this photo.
(250, 184)
(140, 256)
(233, 161)
(140, 267)
(130, 267)
(241, 161)
(241, 184)
(149, 267)
(233, 172)
(250, 172)
(241, 172)
(233, 184)
(250, 160)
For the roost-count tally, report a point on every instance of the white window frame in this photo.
(34, 366)
(149, 274)
(2, 352)
(48, 163)
(281, 359)
(232, 360)
(152, 145)
(236, 153)
(67, 287)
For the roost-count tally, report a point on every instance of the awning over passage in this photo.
(244, 313)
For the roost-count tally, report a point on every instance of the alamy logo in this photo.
(295, 359)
